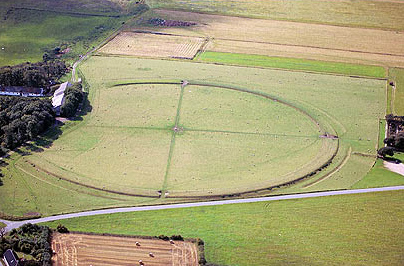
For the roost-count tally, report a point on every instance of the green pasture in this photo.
(27, 189)
(218, 109)
(385, 15)
(148, 106)
(208, 163)
(397, 74)
(337, 230)
(26, 34)
(225, 139)
(292, 63)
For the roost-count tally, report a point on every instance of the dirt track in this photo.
(394, 167)
(87, 249)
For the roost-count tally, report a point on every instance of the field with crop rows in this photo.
(153, 45)
(84, 249)
(385, 14)
(286, 38)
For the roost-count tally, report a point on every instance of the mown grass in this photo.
(385, 15)
(351, 106)
(338, 230)
(397, 74)
(292, 63)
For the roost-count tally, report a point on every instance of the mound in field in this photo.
(88, 249)
(153, 45)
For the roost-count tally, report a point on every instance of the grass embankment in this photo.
(292, 63)
(2, 225)
(302, 232)
(397, 74)
(384, 14)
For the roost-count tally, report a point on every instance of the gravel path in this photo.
(12, 224)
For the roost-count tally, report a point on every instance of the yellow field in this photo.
(290, 39)
(81, 249)
(153, 45)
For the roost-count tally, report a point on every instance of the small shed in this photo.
(10, 258)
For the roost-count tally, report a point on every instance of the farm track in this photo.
(11, 224)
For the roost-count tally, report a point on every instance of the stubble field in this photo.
(84, 249)
(286, 38)
(153, 45)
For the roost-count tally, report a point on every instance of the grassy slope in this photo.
(26, 34)
(350, 230)
(292, 63)
(397, 74)
(354, 14)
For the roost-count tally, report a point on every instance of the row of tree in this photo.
(41, 74)
(73, 97)
(30, 239)
(22, 119)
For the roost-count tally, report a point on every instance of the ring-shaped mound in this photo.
(189, 141)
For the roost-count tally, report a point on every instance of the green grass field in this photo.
(397, 74)
(29, 28)
(384, 14)
(292, 63)
(227, 141)
(338, 230)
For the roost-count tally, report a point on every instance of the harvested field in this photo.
(84, 249)
(284, 38)
(153, 45)
(385, 14)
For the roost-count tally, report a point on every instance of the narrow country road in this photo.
(12, 224)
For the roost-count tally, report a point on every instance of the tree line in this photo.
(39, 75)
(30, 239)
(395, 140)
(22, 119)
(73, 97)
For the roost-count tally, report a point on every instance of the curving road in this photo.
(12, 224)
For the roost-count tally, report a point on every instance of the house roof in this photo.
(59, 94)
(10, 258)
(61, 89)
(18, 89)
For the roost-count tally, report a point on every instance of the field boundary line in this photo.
(336, 169)
(65, 12)
(172, 144)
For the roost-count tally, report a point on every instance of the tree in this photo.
(386, 151)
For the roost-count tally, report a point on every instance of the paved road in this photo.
(11, 224)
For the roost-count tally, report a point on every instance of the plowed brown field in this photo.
(82, 249)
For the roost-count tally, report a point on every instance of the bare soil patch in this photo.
(89, 249)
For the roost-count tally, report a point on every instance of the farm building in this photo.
(58, 97)
(10, 258)
(21, 91)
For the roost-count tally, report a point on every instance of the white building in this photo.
(59, 96)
